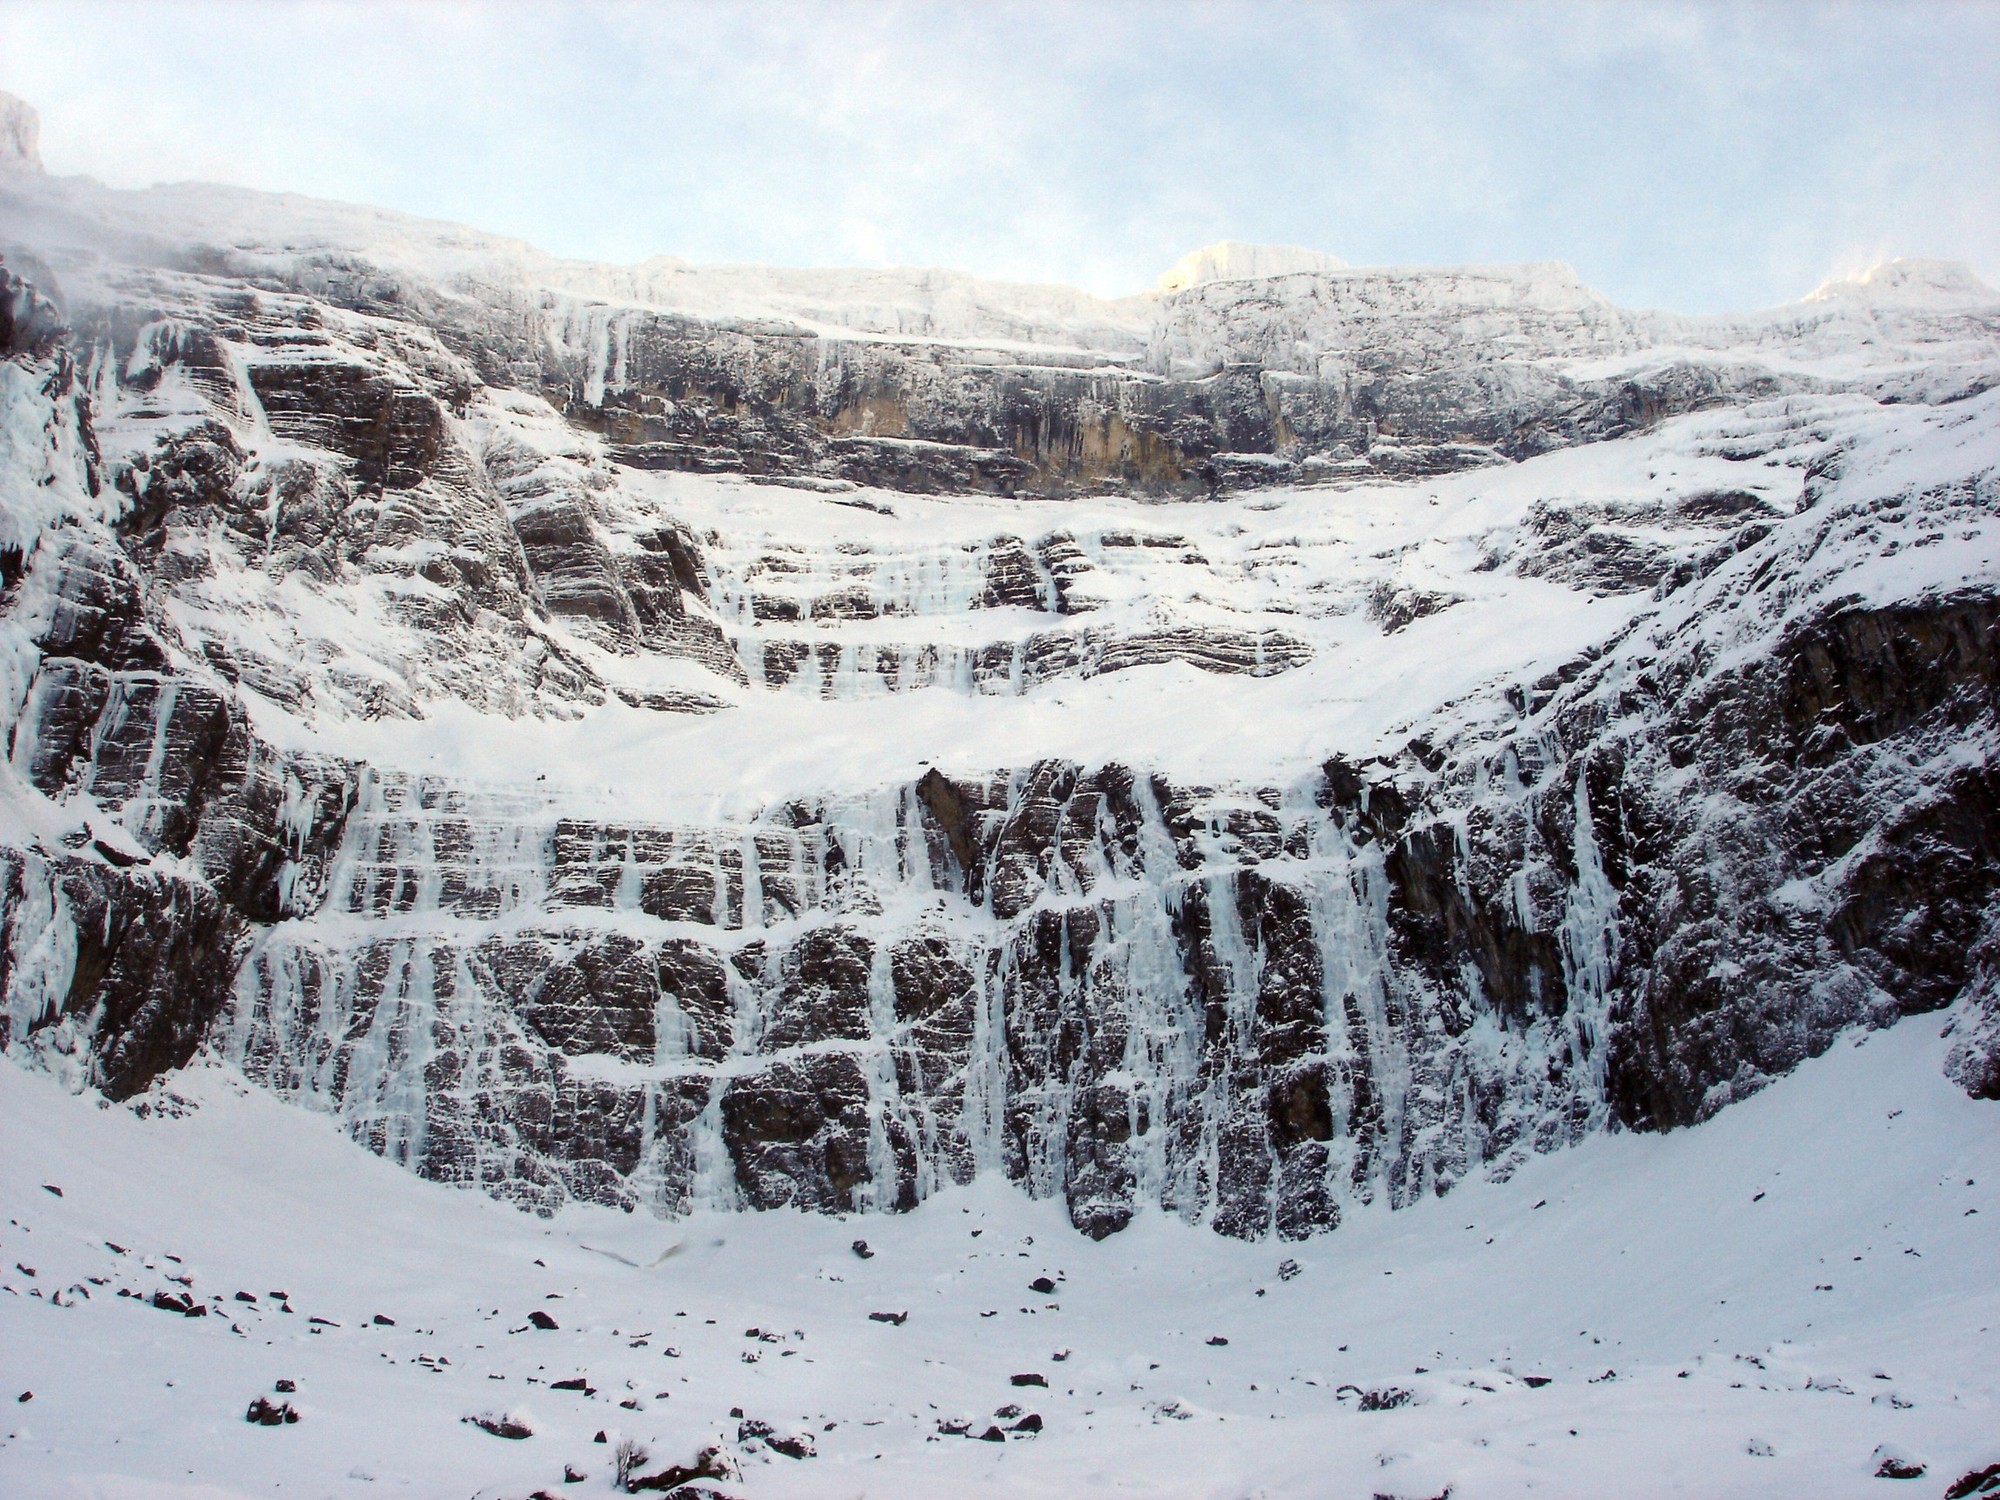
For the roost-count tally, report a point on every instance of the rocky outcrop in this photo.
(766, 398)
(113, 976)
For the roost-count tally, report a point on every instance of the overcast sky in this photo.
(1693, 157)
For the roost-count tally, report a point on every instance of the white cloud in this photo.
(1679, 155)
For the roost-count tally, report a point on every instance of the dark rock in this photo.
(896, 1318)
(1975, 1482)
(542, 1320)
(263, 1413)
(708, 1464)
(1041, 1380)
(948, 805)
(792, 1445)
(1395, 608)
(1893, 1466)
(798, 1131)
(146, 974)
(1043, 1285)
(1384, 1398)
(860, 1248)
(500, 1426)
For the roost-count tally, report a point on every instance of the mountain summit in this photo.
(1232, 260)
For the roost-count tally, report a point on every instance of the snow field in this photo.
(1746, 1309)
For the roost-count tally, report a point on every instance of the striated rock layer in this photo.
(630, 735)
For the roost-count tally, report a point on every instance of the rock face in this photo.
(383, 665)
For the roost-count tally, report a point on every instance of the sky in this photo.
(1693, 157)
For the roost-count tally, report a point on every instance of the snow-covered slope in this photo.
(1769, 1305)
(714, 737)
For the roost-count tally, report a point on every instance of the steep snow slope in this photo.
(1754, 1308)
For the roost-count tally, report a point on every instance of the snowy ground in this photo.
(1303, 562)
(1749, 1308)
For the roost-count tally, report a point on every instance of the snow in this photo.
(78, 219)
(1914, 282)
(1776, 1293)
(1234, 260)
(1301, 561)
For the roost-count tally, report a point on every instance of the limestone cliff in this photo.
(673, 735)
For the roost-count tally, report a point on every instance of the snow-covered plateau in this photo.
(1485, 800)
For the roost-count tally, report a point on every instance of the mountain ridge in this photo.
(1367, 729)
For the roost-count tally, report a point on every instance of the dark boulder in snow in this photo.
(1984, 1481)
(264, 1413)
(1892, 1462)
(710, 1463)
(502, 1426)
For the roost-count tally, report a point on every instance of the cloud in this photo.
(1690, 156)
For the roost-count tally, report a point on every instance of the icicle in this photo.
(1588, 938)
(753, 881)
(600, 357)
(41, 949)
(878, 1066)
